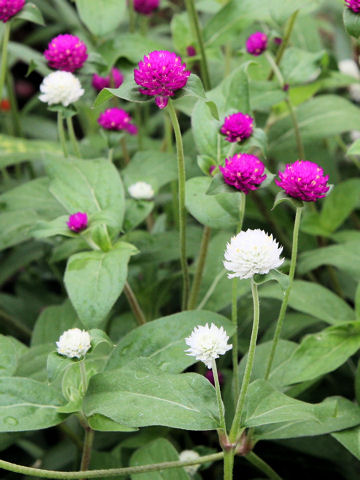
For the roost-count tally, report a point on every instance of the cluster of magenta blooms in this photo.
(161, 74)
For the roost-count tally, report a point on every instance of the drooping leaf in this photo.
(101, 18)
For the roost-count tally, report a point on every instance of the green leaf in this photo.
(218, 185)
(320, 353)
(163, 340)
(350, 440)
(32, 363)
(337, 207)
(276, 415)
(129, 91)
(206, 132)
(357, 302)
(100, 423)
(157, 451)
(151, 166)
(94, 281)
(351, 22)
(136, 212)
(9, 355)
(31, 13)
(299, 66)
(52, 322)
(281, 197)
(218, 211)
(101, 17)
(26, 404)
(139, 398)
(345, 257)
(279, 277)
(321, 117)
(314, 299)
(354, 148)
(88, 186)
(16, 150)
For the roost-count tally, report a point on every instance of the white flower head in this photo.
(349, 67)
(141, 191)
(186, 456)
(60, 88)
(207, 343)
(251, 252)
(74, 343)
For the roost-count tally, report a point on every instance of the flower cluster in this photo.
(78, 222)
(353, 5)
(141, 191)
(256, 44)
(74, 343)
(243, 171)
(207, 343)
(60, 88)
(251, 252)
(161, 74)
(237, 127)
(66, 52)
(9, 8)
(146, 7)
(117, 119)
(303, 180)
(114, 80)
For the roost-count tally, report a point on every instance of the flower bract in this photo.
(256, 44)
(117, 119)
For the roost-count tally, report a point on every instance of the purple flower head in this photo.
(114, 80)
(354, 5)
(278, 40)
(77, 222)
(191, 51)
(237, 127)
(117, 119)
(210, 376)
(146, 7)
(243, 171)
(66, 52)
(303, 180)
(9, 8)
(161, 73)
(256, 44)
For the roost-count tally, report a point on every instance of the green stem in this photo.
(199, 268)
(285, 301)
(61, 133)
(196, 32)
(235, 427)
(139, 124)
(211, 289)
(16, 324)
(83, 376)
(72, 136)
(262, 466)
(218, 397)
(228, 464)
(111, 472)
(14, 107)
(300, 146)
(182, 211)
(124, 150)
(3, 67)
(169, 148)
(86, 453)
(285, 42)
(131, 16)
(134, 304)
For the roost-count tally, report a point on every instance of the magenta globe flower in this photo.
(256, 44)
(146, 7)
(66, 52)
(303, 180)
(237, 127)
(9, 8)
(117, 119)
(161, 74)
(353, 5)
(78, 222)
(243, 171)
(114, 80)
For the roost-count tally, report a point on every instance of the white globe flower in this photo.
(73, 343)
(207, 343)
(186, 456)
(60, 88)
(251, 252)
(141, 191)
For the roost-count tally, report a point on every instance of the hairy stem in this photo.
(218, 397)
(86, 453)
(134, 304)
(181, 204)
(262, 466)
(72, 136)
(196, 32)
(3, 66)
(199, 268)
(111, 472)
(235, 427)
(61, 133)
(285, 301)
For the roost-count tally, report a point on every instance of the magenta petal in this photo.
(161, 101)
